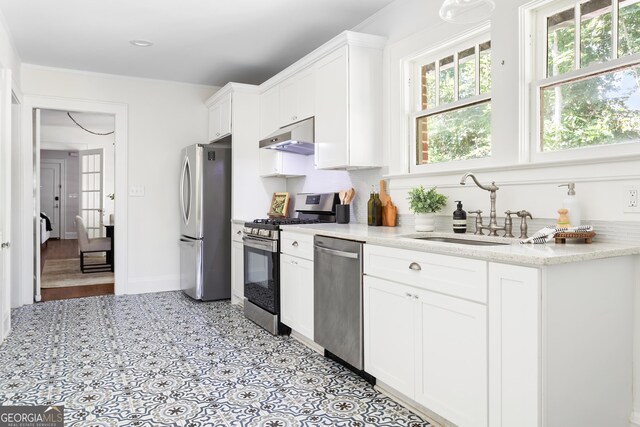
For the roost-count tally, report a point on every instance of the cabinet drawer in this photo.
(461, 277)
(297, 244)
(236, 232)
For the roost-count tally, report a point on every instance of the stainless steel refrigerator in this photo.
(205, 221)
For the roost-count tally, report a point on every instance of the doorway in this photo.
(76, 183)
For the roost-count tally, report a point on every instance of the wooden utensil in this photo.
(389, 214)
(384, 197)
(341, 195)
(351, 194)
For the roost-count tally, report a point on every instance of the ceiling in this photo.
(197, 41)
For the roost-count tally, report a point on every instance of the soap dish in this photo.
(587, 236)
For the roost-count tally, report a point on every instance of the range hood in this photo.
(296, 138)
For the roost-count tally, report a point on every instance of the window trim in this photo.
(413, 66)
(535, 54)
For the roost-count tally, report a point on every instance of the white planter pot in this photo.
(425, 222)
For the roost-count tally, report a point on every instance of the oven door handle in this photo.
(265, 245)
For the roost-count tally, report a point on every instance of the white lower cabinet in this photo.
(451, 359)
(296, 294)
(237, 272)
(430, 347)
(389, 333)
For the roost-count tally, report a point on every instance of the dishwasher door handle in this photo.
(342, 254)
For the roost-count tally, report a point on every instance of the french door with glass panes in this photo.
(91, 190)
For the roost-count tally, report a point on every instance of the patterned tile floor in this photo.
(163, 359)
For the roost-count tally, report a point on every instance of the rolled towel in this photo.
(547, 234)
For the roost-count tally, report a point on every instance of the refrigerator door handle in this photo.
(188, 240)
(185, 210)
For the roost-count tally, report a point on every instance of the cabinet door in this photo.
(288, 101)
(296, 294)
(514, 349)
(305, 94)
(389, 333)
(269, 111)
(225, 115)
(332, 103)
(451, 374)
(214, 122)
(237, 272)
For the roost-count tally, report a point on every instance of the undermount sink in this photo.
(461, 241)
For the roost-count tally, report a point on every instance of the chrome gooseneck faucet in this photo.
(493, 223)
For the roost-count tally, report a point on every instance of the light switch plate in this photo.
(136, 191)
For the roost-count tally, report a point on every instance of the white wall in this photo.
(163, 118)
(413, 25)
(8, 55)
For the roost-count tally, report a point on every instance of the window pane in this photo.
(598, 110)
(467, 73)
(595, 32)
(561, 41)
(428, 99)
(485, 67)
(447, 77)
(629, 27)
(459, 134)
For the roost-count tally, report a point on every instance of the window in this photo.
(452, 115)
(587, 89)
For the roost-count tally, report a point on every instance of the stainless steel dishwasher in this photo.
(338, 321)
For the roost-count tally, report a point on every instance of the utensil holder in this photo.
(343, 214)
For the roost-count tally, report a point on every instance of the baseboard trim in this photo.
(634, 419)
(153, 284)
(434, 419)
(307, 342)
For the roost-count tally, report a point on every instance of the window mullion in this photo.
(614, 28)
(437, 76)
(578, 36)
(477, 58)
(456, 95)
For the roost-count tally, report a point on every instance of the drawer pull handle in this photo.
(408, 295)
(414, 296)
(294, 262)
(238, 232)
(415, 266)
(294, 244)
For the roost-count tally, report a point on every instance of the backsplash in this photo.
(627, 232)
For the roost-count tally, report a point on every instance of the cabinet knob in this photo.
(295, 244)
(415, 266)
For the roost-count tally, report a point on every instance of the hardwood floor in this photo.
(67, 249)
(50, 294)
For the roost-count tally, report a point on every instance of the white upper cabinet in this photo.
(219, 115)
(269, 111)
(297, 97)
(348, 113)
(340, 85)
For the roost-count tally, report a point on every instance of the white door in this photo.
(50, 190)
(5, 198)
(389, 333)
(91, 190)
(451, 374)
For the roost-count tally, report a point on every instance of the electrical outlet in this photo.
(136, 191)
(630, 199)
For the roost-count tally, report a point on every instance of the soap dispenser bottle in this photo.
(571, 204)
(459, 219)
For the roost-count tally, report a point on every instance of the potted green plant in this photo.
(424, 204)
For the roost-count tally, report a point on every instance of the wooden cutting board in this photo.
(384, 197)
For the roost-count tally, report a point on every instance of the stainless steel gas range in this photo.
(262, 257)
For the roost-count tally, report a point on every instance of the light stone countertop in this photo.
(513, 253)
(236, 221)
